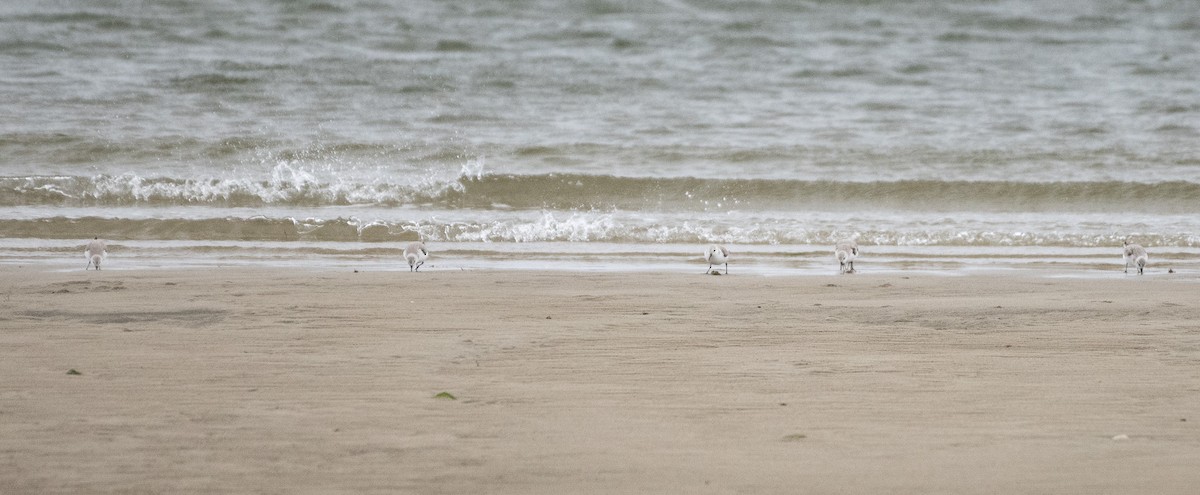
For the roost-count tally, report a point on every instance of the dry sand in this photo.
(285, 381)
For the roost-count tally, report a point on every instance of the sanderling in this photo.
(845, 252)
(415, 254)
(95, 253)
(716, 255)
(1135, 254)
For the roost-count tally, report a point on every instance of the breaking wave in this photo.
(547, 226)
(286, 186)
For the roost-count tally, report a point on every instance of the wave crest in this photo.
(286, 185)
(574, 227)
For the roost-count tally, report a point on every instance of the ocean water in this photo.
(601, 134)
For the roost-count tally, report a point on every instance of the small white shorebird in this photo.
(716, 255)
(1135, 254)
(415, 254)
(845, 252)
(95, 252)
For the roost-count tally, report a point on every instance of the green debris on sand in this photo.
(795, 437)
(73, 372)
(445, 395)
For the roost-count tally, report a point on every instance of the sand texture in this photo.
(291, 381)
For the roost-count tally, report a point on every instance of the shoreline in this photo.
(683, 259)
(315, 381)
(660, 269)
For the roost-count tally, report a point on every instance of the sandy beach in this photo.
(295, 381)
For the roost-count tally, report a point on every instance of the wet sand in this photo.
(293, 381)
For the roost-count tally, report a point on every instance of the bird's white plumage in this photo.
(845, 252)
(1136, 255)
(716, 255)
(95, 252)
(415, 254)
